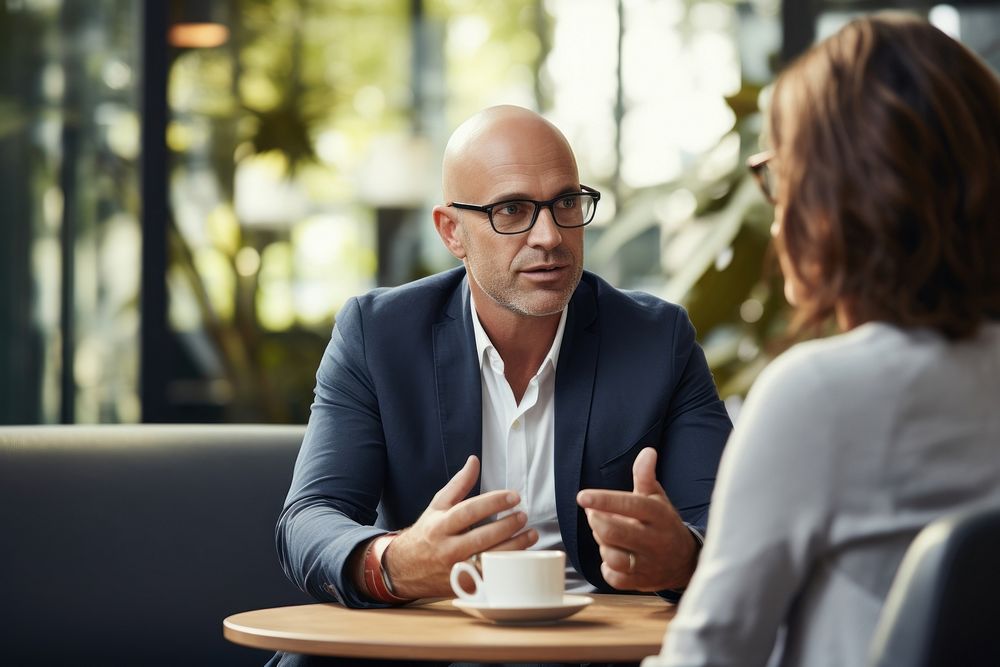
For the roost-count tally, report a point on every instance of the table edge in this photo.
(294, 642)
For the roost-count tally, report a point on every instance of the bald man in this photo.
(514, 402)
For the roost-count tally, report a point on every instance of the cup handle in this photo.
(459, 568)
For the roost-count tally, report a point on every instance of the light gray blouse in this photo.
(845, 448)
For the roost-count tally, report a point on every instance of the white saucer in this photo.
(524, 615)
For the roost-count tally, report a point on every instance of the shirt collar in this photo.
(484, 344)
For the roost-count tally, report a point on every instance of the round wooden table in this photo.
(615, 628)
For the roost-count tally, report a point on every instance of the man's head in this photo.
(508, 153)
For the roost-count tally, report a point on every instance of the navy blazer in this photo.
(398, 410)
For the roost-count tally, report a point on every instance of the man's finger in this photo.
(644, 474)
(458, 487)
(591, 514)
(519, 542)
(474, 510)
(618, 531)
(617, 559)
(633, 505)
(615, 579)
(497, 532)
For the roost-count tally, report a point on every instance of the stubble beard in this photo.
(518, 301)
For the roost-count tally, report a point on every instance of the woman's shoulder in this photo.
(809, 393)
(823, 364)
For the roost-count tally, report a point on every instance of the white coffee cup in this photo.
(514, 579)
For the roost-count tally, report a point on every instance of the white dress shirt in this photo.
(519, 441)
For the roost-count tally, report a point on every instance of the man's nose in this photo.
(545, 233)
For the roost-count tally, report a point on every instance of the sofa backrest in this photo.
(130, 544)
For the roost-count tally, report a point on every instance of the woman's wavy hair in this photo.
(887, 145)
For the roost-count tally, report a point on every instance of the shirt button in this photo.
(517, 423)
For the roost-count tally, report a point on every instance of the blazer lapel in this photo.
(459, 386)
(575, 376)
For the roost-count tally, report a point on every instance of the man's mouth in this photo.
(543, 274)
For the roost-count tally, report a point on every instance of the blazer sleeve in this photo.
(337, 483)
(696, 429)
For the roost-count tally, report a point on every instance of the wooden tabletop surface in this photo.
(615, 628)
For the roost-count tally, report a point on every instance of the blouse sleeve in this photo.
(770, 511)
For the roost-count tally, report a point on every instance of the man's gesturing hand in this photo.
(644, 544)
(419, 560)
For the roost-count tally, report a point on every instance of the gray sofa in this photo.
(128, 545)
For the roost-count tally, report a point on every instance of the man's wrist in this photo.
(673, 590)
(697, 541)
(375, 579)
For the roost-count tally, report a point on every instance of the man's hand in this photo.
(644, 544)
(419, 560)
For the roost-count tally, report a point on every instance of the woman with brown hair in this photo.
(885, 175)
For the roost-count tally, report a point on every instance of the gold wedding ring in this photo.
(631, 562)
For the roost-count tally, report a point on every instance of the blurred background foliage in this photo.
(304, 144)
(311, 106)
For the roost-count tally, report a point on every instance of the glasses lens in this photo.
(762, 173)
(766, 179)
(511, 217)
(574, 210)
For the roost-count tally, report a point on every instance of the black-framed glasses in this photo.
(762, 173)
(516, 216)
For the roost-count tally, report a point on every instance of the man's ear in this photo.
(446, 224)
